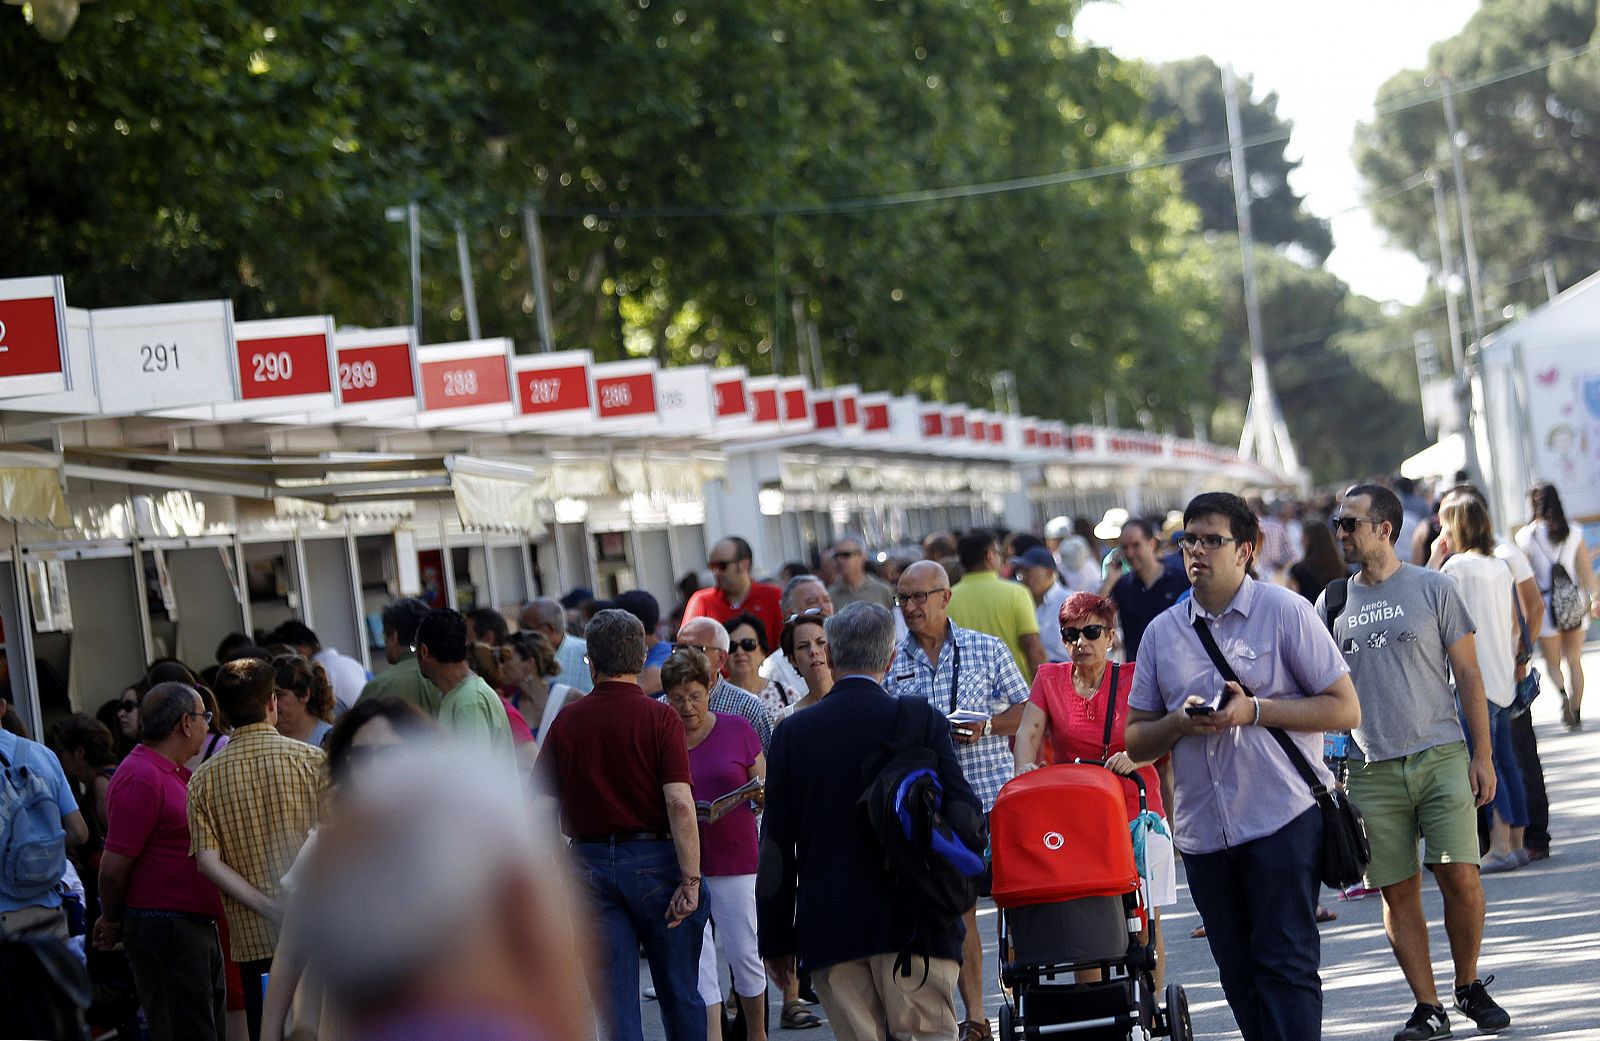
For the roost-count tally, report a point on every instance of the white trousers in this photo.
(733, 921)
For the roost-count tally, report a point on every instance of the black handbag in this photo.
(1345, 851)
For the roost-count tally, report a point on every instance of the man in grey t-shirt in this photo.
(1403, 631)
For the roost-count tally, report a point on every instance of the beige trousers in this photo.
(866, 1001)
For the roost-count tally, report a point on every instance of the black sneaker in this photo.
(1426, 1022)
(1474, 1001)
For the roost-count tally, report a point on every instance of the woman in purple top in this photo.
(724, 755)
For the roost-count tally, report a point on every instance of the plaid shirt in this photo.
(736, 701)
(254, 803)
(989, 682)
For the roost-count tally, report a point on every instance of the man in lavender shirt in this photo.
(1245, 821)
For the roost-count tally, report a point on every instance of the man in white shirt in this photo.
(346, 674)
(1036, 569)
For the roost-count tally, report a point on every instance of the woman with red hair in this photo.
(1084, 705)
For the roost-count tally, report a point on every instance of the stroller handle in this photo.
(1144, 804)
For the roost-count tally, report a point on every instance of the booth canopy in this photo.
(32, 487)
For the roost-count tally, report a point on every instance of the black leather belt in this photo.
(621, 836)
(182, 916)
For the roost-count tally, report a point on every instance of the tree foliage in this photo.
(1530, 139)
(1188, 97)
(250, 150)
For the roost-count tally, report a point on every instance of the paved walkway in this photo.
(1541, 939)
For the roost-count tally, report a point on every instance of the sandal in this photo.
(1325, 915)
(797, 1017)
(1198, 934)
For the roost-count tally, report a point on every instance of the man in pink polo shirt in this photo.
(153, 896)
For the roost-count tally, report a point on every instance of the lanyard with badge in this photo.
(955, 676)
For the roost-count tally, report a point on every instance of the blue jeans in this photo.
(1510, 798)
(630, 886)
(1259, 904)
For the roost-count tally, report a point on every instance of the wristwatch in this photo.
(988, 727)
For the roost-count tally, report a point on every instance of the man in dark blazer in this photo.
(823, 895)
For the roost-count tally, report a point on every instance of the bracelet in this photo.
(1257, 721)
(691, 881)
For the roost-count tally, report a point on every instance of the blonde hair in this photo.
(1467, 520)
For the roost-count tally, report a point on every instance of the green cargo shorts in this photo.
(1428, 796)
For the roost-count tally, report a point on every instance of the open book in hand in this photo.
(714, 810)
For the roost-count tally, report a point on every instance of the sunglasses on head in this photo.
(749, 644)
(1070, 633)
(808, 612)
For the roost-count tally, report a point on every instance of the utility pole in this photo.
(1464, 204)
(1460, 380)
(1266, 436)
(413, 222)
(541, 297)
(468, 291)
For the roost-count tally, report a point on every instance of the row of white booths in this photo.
(169, 475)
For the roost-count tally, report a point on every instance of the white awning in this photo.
(33, 487)
(1441, 459)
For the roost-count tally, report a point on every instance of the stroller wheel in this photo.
(1008, 1027)
(1178, 1026)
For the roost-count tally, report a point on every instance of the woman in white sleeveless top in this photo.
(1549, 540)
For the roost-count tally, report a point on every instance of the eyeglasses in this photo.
(681, 646)
(918, 598)
(1190, 541)
(203, 715)
(747, 644)
(847, 553)
(128, 706)
(1071, 633)
(720, 565)
(1348, 524)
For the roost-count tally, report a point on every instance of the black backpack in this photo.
(933, 853)
(43, 988)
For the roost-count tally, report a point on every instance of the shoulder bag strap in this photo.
(1522, 619)
(1290, 749)
(1111, 710)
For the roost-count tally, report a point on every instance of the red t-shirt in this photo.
(147, 807)
(607, 756)
(1078, 724)
(762, 600)
(520, 732)
(721, 763)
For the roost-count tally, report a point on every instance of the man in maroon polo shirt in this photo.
(153, 896)
(618, 764)
(735, 591)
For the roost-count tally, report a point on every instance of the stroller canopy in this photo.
(1061, 833)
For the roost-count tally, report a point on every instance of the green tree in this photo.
(1530, 144)
(1187, 96)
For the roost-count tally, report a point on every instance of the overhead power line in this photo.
(1411, 99)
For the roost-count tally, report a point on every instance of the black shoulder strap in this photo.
(1297, 757)
(1334, 597)
(1111, 710)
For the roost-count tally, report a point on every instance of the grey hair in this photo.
(163, 709)
(1074, 551)
(616, 643)
(719, 632)
(793, 586)
(861, 639)
(549, 611)
(852, 540)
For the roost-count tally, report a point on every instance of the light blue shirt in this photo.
(1237, 785)
(574, 670)
(21, 753)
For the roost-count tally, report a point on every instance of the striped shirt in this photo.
(254, 802)
(736, 701)
(975, 673)
(574, 669)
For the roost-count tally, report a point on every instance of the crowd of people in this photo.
(282, 845)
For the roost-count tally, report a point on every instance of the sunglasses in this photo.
(748, 644)
(720, 565)
(1348, 524)
(1071, 633)
(128, 706)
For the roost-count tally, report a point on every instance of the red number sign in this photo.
(378, 373)
(997, 433)
(464, 382)
(933, 424)
(30, 341)
(626, 395)
(794, 405)
(958, 425)
(826, 413)
(731, 399)
(562, 389)
(283, 366)
(876, 417)
(766, 405)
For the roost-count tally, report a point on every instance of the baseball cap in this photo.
(1038, 556)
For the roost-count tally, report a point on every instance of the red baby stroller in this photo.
(1068, 893)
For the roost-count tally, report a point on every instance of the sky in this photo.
(1326, 61)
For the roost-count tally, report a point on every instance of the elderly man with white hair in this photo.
(802, 593)
(710, 637)
(432, 907)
